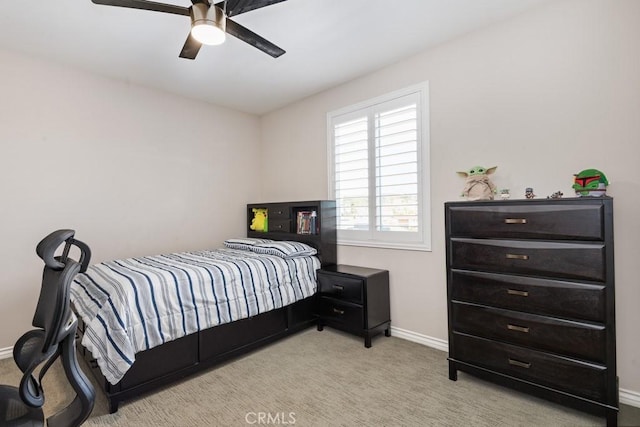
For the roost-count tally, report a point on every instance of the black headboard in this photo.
(310, 222)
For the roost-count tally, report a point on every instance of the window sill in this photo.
(387, 245)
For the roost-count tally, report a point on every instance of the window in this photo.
(379, 170)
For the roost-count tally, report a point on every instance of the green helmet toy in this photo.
(590, 182)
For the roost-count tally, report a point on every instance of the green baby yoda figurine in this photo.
(478, 186)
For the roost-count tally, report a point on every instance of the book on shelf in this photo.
(307, 222)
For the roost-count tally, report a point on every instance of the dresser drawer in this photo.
(561, 373)
(582, 340)
(350, 315)
(541, 296)
(539, 258)
(526, 220)
(341, 287)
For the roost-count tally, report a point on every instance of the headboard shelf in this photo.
(310, 222)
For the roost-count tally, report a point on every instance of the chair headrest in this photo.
(47, 247)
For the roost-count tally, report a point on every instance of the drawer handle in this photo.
(518, 328)
(515, 221)
(338, 311)
(517, 256)
(338, 287)
(519, 293)
(520, 364)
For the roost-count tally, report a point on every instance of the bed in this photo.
(147, 321)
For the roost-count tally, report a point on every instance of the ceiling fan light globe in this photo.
(207, 33)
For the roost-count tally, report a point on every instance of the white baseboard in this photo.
(6, 353)
(436, 343)
(628, 397)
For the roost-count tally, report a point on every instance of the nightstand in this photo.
(354, 299)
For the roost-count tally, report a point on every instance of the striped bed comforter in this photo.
(135, 304)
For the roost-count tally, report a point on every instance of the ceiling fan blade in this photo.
(146, 5)
(191, 48)
(253, 39)
(236, 7)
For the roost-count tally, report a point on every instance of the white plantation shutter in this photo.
(379, 171)
(352, 174)
(397, 169)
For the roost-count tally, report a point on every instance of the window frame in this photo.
(421, 240)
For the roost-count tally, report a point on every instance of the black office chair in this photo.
(55, 337)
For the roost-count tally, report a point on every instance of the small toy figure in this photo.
(528, 193)
(556, 195)
(590, 182)
(478, 186)
(260, 220)
(504, 194)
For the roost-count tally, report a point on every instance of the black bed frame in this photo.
(193, 353)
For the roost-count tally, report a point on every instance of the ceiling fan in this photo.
(209, 22)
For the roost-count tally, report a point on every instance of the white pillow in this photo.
(244, 243)
(284, 249)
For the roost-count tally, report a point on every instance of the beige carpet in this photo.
(329, 379)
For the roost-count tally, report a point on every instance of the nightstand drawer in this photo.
(529, 294)
(561, 221)
(350, 315)
(341, 287)
(547, 259)
(574, 339)
(560, 373)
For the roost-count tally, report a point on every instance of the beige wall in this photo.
(133, 170)
(541, 96)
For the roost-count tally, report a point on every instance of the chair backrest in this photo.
(55, 335)
(53, 310)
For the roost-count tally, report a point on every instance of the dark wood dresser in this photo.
(530, 287)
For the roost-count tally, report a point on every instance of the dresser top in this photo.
(570, 200)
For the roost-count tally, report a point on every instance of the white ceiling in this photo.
(328, 42)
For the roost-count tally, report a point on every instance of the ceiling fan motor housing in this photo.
(208, 15)
(209, 24)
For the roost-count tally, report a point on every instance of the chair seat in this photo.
(14, 413)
